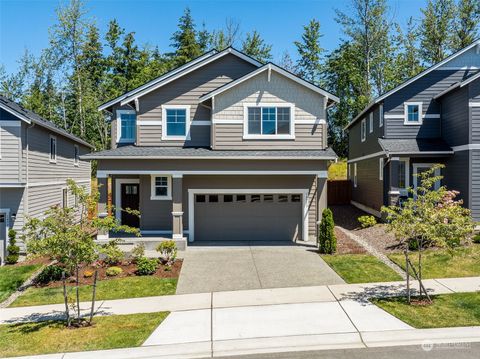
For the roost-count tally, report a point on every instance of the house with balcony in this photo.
(223, 148)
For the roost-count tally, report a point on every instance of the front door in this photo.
(3, 235)
(130, 200)
(419, 168)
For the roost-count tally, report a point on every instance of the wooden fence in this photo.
(339, 192)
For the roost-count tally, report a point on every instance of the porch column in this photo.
(177, 210)
(394, 189)
(102, 208)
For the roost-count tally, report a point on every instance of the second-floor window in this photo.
(363, 130)
(175, 122)
(413, 113)
(53, 149)
(76, 155)
(127, 125)
(370, 122)
(268, 121)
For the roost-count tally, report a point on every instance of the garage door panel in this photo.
(248, 217)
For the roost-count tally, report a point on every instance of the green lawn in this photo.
(12, 277)
(447, 310)
(463, 262)
(338, 171)
(360, 268)
(116, 331)
(129, 287)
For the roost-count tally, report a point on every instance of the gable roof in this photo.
(458, 84)
(270, 66)
(412, 79)
(175, 74)
(31, 117)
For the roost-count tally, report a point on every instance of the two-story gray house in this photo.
(223, 148)
(433, 117)
(36, 159)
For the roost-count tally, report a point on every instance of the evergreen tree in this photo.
(309, 65)
(204, 39)
(467, 20)
(408, 59)
(287, 63)
(255, 46)
(435, 30)
(185, 40)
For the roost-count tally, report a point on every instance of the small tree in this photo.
(13, 251)
(68, 236)
(327, 242)
(428, 217)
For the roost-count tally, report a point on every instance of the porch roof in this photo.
(415, 146)
(138, 152)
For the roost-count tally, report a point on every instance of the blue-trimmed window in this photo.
(128, 127)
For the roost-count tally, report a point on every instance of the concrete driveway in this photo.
(223, 268)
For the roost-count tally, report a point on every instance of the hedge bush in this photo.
(113, 271)
(168, 251)
(50, 274)
(13, 251)
(146, 266)
(476, 238)
(367, 221)
(112, 252)
(327, 242)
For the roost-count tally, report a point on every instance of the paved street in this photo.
(220, 268)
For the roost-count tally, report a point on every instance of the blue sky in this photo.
(24, 23)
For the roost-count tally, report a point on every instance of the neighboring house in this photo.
(36, 159)
(222, 148)
(433, 117)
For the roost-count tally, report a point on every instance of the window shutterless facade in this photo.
(76, 155)
(363, 130)
(265, 121)
(126, 126)
(161, 188)
(370, 122)
(380, 115)
(413, 113)
(175, 122)
(53, 149)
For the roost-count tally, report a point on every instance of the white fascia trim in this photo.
(420, 113)
(373, 155)
(154, 81)
(187, 70)
(450, 68)
(168, 197)
(118, 194)
(270, 67)
(470, 146)
(187, 136)
(15, 113)
(10, 123)
(394, 116)
(119, 125)
(106, 173)
(326, 158)
(474, 104)
(191, 203)
(12, 185)
(415, 78)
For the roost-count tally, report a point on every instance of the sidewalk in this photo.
(260, 297)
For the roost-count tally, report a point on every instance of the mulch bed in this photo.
(345, 245)
(128, 271)
(31, 261)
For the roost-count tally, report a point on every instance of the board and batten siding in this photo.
(229, 105)
(11, 170)
(423, 90)
(185, 90)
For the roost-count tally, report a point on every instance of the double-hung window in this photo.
(161, 187)
(269, 121)
(363, 130)
(413, 113)
(380, 115)
(370, 122)
(127, 126)
(175, 122)
(53, 149)
(76, 155)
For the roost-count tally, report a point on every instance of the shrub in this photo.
(168, 251)
(113, 271)
(113, 254)
(88, 274)
(49, 274)
(146, 266)
(12, 249)
(327, 242)
(367, 221)
(138, 252)
(476, 238)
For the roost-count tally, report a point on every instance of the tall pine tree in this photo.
(185, 41)
(255, 46)
(309, 64)
(467, 20)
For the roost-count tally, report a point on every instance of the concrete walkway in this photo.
(222, 268)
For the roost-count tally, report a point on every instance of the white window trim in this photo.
(404, 191)
(355, 175)
(380, 115)
(153, 197)
(363, 130)
(118, 194)
(165, 136)
(405, 113)
(370, 122)
(119, 126)
(429, 165)
(54, 160)
(76, 160)
(290, 136)
(380, 168)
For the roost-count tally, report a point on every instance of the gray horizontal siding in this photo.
(369, 190)
(151, 135)
(13, 199)
(475, 116)
(455, 118)
(457, 174)
(10, 152)
(357, 148)
(475, 183)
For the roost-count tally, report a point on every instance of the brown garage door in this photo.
(248, 217)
